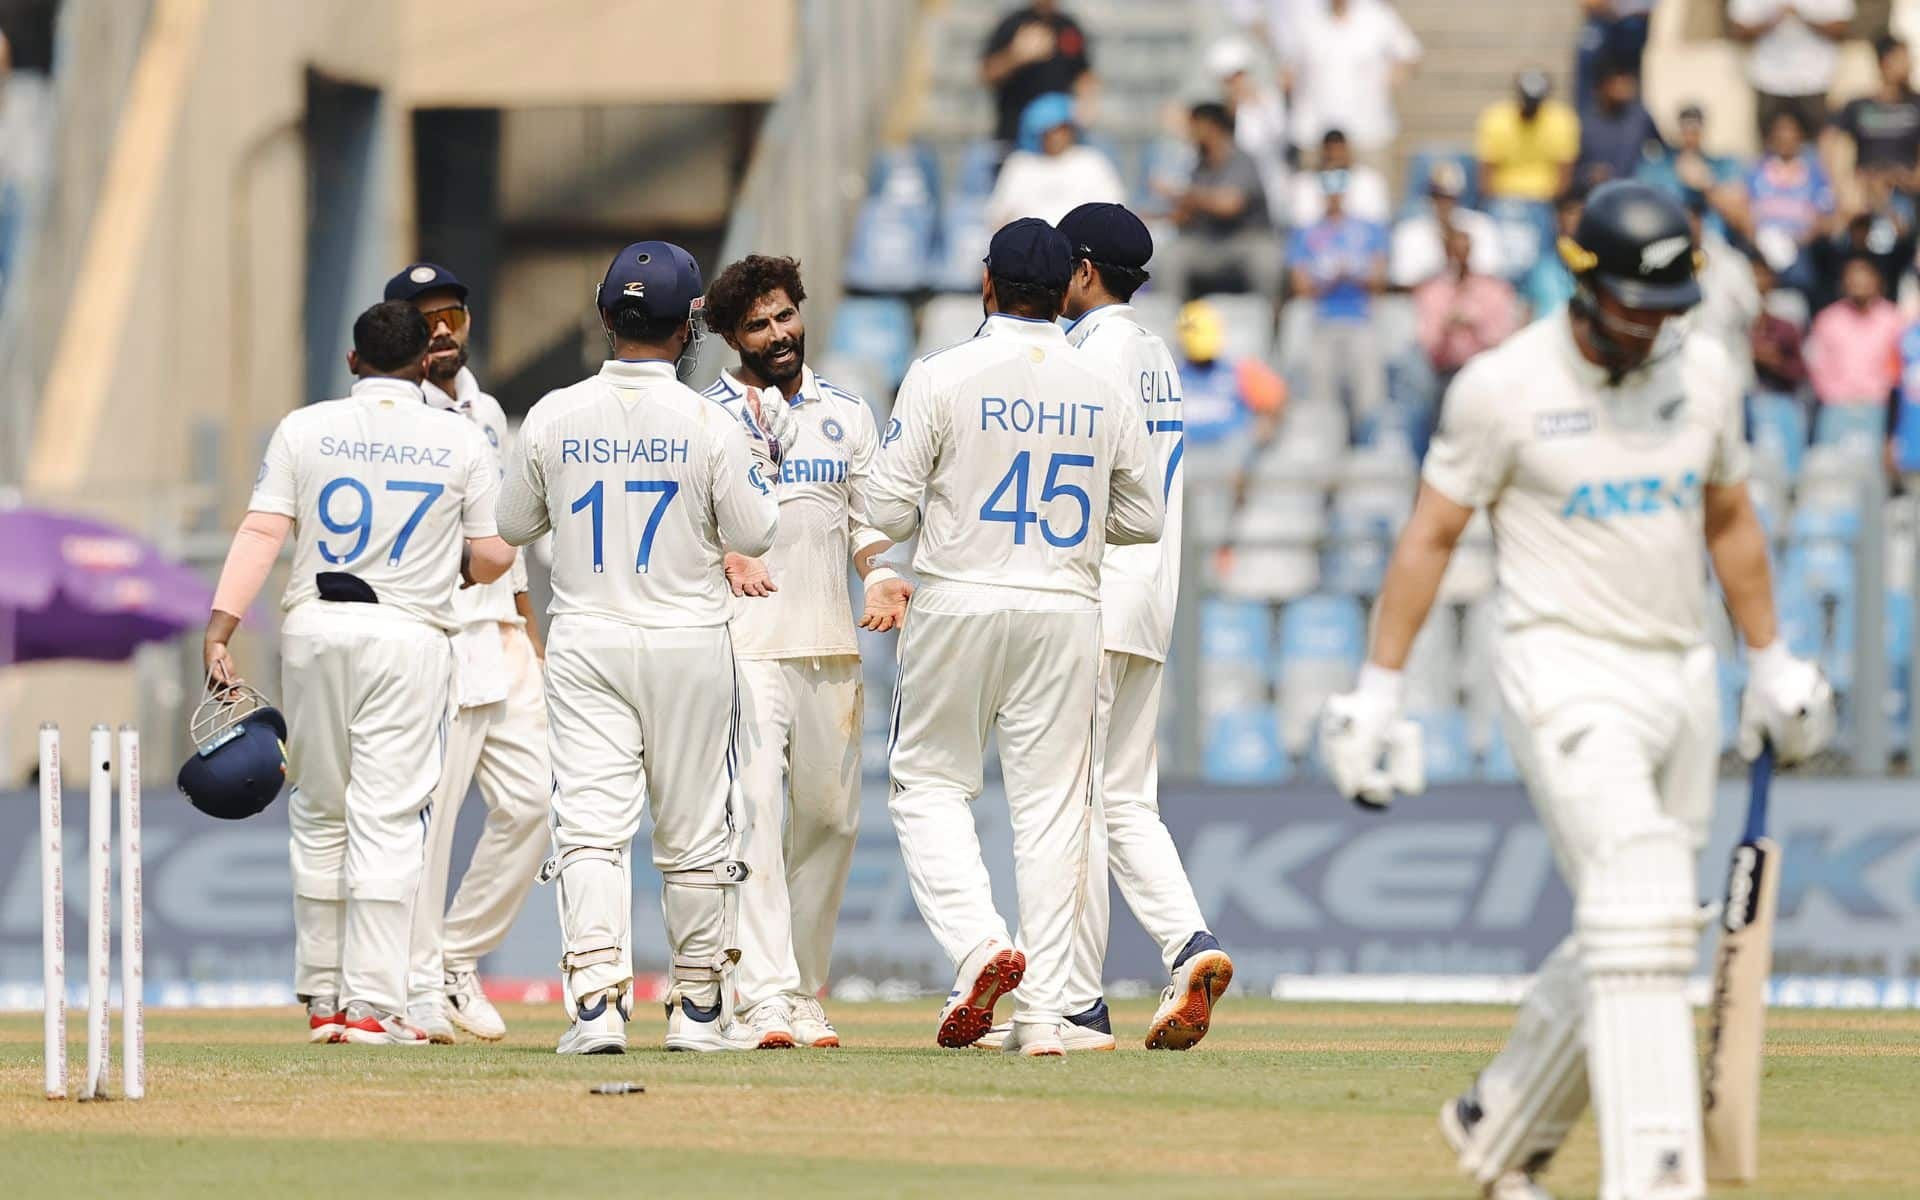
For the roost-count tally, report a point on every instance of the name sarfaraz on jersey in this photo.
(1062, 418)
(1642, 496)
(403, 454)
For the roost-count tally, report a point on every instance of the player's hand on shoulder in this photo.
(748, 576)
(886, 607)
(771, 425)
(1369, 751)
(1789, 702)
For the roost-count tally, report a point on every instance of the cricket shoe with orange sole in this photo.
(326, 1024)
(768, 1025)
(1457, 1119)
(988, 972)
(1200, 974)
(810, 1024)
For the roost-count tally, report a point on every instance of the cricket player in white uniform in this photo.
(496, 732)
(391, 504)
(1018, 459)
(1607, 450)
(644, 484)
(1139, 586)
(801, 695)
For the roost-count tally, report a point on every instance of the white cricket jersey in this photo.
(1019, 459)
(384, 487)
(823, 519)
(644, 484)
(1139, 585)
(1594, 492)
(485, 601)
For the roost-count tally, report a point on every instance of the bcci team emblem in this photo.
(833, 431)
(893, 432)
(492, 436)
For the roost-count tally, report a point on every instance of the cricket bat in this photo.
(1731, 1079)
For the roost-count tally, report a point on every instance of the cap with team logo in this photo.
(659, 278)
(1031, 251)
(424, 277)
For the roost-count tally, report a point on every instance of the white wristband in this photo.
(1382, 686)
(880, 575)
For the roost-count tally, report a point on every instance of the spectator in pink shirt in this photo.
(1853, 350)
(1459, 312)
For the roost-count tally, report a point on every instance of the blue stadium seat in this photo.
(1824, 568)
(888, 173)
(893, 239)
(1235, 631)
(1824, 520)
(1801, 623)
(1778, 424)
(1168, 160)
(1323, 628)
(1448, 745)
(1243, 746)
(1420, 169)
(1859, 425)
(876, 330)
(1527, 232)
(1354, 566)
(961, 244)
(979, 167)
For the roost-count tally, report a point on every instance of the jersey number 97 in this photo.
(360, 525)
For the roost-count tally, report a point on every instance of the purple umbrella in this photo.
(72, 587)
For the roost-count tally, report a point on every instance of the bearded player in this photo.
(496, 734)
(1606, 444)
(799, 665)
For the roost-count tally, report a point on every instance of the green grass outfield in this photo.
(1281, 1100)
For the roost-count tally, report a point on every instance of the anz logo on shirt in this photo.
(1644, 496)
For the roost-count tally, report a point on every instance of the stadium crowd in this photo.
(1318, 316)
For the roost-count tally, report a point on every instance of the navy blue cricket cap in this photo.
(424, 277)
(1031, 251)
(658, 278)
(1108, 233)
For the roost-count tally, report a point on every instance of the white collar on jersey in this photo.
(808, 390)
(1093, 316)
(637, 370)
(386, 387)
(1026, 329)
(465, 388)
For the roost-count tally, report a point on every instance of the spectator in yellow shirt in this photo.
(1527, 145)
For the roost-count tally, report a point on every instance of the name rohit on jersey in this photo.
(1632, 497)
(398, 453)
(601, 451)
(1063, 418)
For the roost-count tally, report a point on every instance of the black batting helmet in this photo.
(239, 762)
(1635, 244)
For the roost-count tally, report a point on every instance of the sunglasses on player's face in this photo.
(454, 317)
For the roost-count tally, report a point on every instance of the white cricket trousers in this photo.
(800, 722)
(639, 717)
(1127, 834)
(366, 694)
(503, 747)
(1619, 747)
(973, 663)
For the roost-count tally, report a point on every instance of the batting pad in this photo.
(1536, 1088)
(1635, 925)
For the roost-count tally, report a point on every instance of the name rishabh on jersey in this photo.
(1140, 585)
(1595, 492)
(644, 484)
(1027, 457)
(383, 487)
(823, 520)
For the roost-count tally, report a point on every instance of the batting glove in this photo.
(771, 425)
(1788, 701)
(1367, 748)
